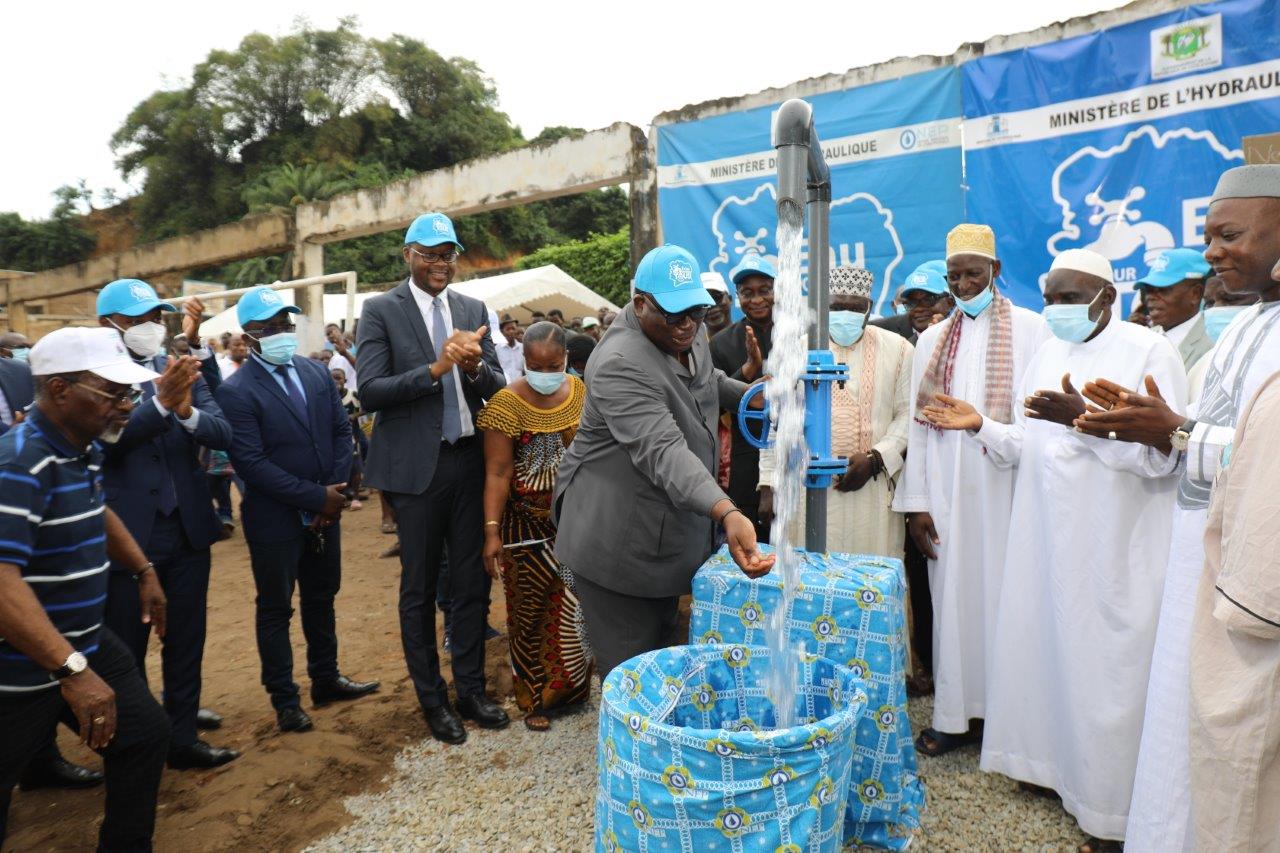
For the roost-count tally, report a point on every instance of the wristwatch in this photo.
(1181, 436)
(75, 664)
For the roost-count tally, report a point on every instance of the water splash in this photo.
(785, 393)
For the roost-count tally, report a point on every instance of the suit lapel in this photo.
(412, 313)
(266, 380)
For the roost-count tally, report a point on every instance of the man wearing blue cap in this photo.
(925, 299)
(1172, 291)
(736, 351)
(155, 482)
(427, 364)
(636, 502)
(292, 448)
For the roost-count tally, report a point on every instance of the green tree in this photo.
(602, 263)
(53, 242)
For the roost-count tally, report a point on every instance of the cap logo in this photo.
(140, 292)
(270, 297)
(440, 225)
(918, 278)
(1159, 264)
(680, 273)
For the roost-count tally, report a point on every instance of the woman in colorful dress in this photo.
(527, 427)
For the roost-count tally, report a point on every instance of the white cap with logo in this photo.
(98, 350)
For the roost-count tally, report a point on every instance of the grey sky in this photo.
(73, 72)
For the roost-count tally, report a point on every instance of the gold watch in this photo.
(1181, 436)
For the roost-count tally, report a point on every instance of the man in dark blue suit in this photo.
(155, 483)
(292, 448)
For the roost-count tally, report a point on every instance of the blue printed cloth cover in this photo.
(849, 609)
(688, 762)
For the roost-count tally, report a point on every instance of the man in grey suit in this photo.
(1173, 290)
(636, 499)
(427, 364)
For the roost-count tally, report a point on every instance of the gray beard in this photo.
(111, 436)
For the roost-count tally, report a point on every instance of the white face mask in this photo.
(144, 339)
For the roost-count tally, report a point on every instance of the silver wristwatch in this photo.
(76, 663)
(1181, 436)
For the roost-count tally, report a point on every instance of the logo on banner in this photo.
(1135, 199)
(1188, 46)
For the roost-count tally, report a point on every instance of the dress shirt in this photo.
(426, 305)
(279, 380)
(1179, 333)
(511, 357)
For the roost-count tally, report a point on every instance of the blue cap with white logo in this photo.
(931, 277)
(752, 264)
(1174, 265)
(670, 275)
(262, 303)
(131, 297)
(432, 229)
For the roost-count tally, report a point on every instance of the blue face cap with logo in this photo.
(1174, 265)
(931, 277)
(670, 275)
(432, 229)
(753, 264)
(261, 303)
(130, 297)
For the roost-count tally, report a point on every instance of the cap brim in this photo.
(125, 373)
(682, 300)
(924, 289)
(429, 242)
(137, 310)
(267, 315)
(741, 274)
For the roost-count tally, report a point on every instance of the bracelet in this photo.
(730, 512)
(147, 568)
(492, 523)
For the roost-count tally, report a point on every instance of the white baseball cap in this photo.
(97, 350)
(714, 281)
(588, 322)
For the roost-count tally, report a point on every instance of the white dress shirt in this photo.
(511, 357)
(427, 306)
(339, 362)
(1179, 333)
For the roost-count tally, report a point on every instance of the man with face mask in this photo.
(957, 498)
(925, 301)
(14, 345)
(1057, 637)
(1221, 306)
(155, 482)
(17, 389)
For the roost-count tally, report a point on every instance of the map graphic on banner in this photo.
(894, 153)
(1114, 141)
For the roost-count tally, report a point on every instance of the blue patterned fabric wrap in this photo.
(849, 609)
(688, 760)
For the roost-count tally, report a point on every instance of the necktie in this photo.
(451, 426)
(295, 396)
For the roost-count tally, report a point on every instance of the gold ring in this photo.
(1112, 435)
(99, 721)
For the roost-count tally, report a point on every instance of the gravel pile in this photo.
(517, 790)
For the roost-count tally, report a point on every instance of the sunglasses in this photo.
(697, 314)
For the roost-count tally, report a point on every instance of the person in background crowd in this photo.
(591, 328)
(600, 314)
(576, 324)
(344, 355)
(1138, 311)
(427, 363)
(527, 427)
(510, 350)
(1109, 494)
(579, 350)
(957, 499)
(156, 485)
(180, 346)
(925, 302)
(292, 447)
(636, 497)
(57, 660)
(1221, 306)
(225, 338)
(17, 390)
(609, 318)
(555, 315)
(736, 351)
(351, 404)
(235, 353)
(1172, 291)
(14, 345)
(718, 315)
(537, 317)
(1243, 245)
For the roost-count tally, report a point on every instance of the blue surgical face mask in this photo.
(21, 353)
(545, 384)
(1071, 323)
(1216, 320)
(574, 372)
(278, 349)
(846, 327)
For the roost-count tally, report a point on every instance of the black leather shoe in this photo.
(484, 711)
(340, 689)
(293, 720)
(208, 720)
(200, 754)
(445, 724)
(58, 773)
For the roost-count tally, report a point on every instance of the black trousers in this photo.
(316, 571)
(450, 511)
(183, 572)
(621, 626)
(133, 760)
(917, 568)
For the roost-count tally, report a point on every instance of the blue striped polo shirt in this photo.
(52, 527)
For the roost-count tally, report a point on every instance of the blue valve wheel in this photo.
(748, 416)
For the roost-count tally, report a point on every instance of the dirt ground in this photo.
(286, 789)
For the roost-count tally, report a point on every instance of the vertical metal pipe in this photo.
(819, 210)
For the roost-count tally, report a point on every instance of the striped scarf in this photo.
(939, 372)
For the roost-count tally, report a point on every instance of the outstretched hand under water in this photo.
(740, 534)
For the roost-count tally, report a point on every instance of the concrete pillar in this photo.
(646, 230)
(17, 316)
(308, 261)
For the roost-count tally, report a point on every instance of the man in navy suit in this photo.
(427, 365)
(155, 483)
(292, 448)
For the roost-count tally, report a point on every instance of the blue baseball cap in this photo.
(131, 297)
(432, 229)
(261, 303)
(931, 277)
(752, 264)
(670, 275)
(1174, 265)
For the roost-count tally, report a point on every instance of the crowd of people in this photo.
(1075, 495)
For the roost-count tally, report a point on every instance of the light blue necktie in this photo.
(451, 427)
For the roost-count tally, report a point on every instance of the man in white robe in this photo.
(1088, 543)
(958, 499)
(1242, 232)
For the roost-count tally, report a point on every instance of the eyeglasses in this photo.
(923, 299)
(132, 396)
(268, 331)
(746, 294)
(435, 257)
(697, 314)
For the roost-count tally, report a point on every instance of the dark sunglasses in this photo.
(697, 314)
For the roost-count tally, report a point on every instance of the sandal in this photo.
(1102, 845)
(942, 743)
(388, 527)
(536, 722)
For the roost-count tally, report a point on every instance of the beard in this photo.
(111, 434)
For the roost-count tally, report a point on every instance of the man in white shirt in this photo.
(344, 356)
(1172, 291)
(237, 352)
(510, 349)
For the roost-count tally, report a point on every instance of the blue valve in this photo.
(748, 416)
